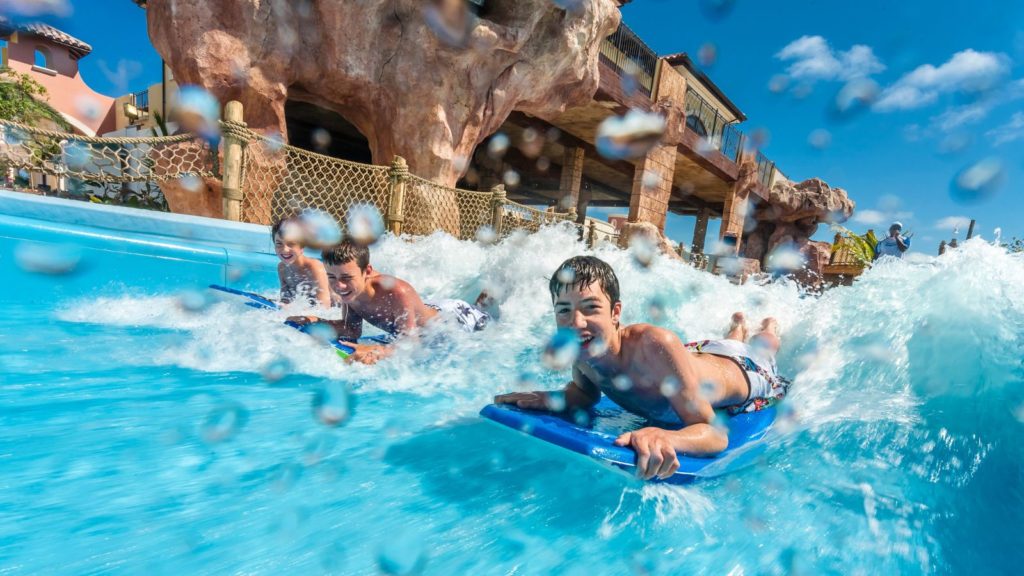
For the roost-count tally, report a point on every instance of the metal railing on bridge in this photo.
(634, 60)
(706, 121)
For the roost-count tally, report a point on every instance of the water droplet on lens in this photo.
(388, 282)
(716, 9)
(778, 83)
(669, 387)
(629, 136)
(284, 476)
(562, 350)
(402, 555)
(322, 332)
(656, 310)
(854, 97)
(566, 276)
(543, 163)
(275, 370)
(708, 389)
(497, 146)
(365, 224)
(321, 139)
(642, 249)
(332, 404)
(650, 179)
(223, 422)
(51, 259)
(317, 448)
(198, 111)
(707, 54)
(555, 401)
(597, 347)
(820, 139)
(88, 108)
(77, 155)
(511, 178)
(978, 182)
(195, 301)
(319, 229)
(622, 382)
(785, 259)
(486, 235)
(191, 182)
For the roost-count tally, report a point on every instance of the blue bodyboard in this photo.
(607, 421)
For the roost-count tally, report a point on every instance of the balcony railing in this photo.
(707, 122)
(765, 170)
(141, 100)
(633, 59)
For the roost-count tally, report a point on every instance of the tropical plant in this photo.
(1014, 246)
(23, 100)
(860, 247)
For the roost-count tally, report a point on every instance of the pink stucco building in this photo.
(51, 58)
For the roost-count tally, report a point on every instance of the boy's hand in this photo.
(655, 454)
(302, 320)
(369, 354)
(524, 400)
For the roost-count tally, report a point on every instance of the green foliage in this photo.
(23, 100)
(161, 125)
(861, 247)
(1014, 246)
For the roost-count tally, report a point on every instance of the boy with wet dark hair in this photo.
(301, 277)
(650, 372)
(387, 302)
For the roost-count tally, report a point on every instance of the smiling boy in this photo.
(301, 277)
(387, 302)
(650, 372)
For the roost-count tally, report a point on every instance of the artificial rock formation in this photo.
(423, 79)
(791, 216)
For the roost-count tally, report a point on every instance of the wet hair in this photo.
(583, 271)
(346, 251)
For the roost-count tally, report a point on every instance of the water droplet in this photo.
(978, 182)
(785, 259)
(656, 310)
(321, 139)
(854, 97)
(555, 401)
(191, 183)
(526, 381)
(77, 155)
(322, 332)
(531, 143)
(497, 146)
(650, 179)
(402, 555)
(543, 163)
(707, 54)
(274, 142)
(198, 111)
(511, 178)
(365, 224)
(597, 347)
(318, 448)
(388, 282)
(332, 404)
(52, 259)
(195, 301)
(276, 370)
(486, 235)
(629, 136)
(819, 139)
(88, 108)
(223, 422)
(460, 162)
(642, 250)
(778, 83)
(566, 276)
(669, 387)
(622, 382)
(318, 229)
(562, 350)
(716, 9)
(284, 476)
(451, 22)
(708, 389)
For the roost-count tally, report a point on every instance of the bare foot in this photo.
(738, 328)
(769, 334)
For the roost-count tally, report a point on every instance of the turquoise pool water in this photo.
(140, 434)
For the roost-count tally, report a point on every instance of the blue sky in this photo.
(950, 94)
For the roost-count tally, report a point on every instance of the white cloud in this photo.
(813, 59)
(869, 217)
(966, 71)
(1009, 132)
(125, 71)
(952, 223)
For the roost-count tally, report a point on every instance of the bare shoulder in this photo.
(649, 336)
(395, 286)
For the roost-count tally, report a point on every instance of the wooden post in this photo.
(396, 209)
(591, 235)
(498, 199)
(231, 185)
(970, 229)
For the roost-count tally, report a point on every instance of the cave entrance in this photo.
(324, 131)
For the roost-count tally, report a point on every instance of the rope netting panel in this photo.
(104, 160)
(430, 206)
(519, 217)
(279, 181)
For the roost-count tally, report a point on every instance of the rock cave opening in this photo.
(324, 131)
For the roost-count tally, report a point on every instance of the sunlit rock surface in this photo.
(426, 80)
